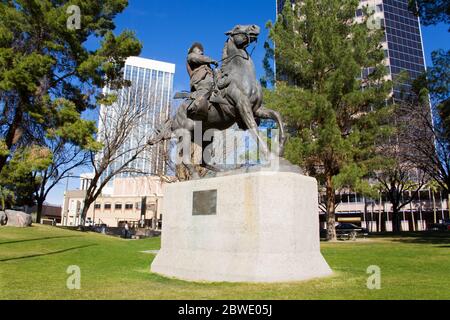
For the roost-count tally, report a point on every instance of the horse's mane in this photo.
(225, 51)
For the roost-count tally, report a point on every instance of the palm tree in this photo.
(434, 187)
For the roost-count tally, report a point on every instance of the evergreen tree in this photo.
(431, 11)
(438, 78)
(333, 94)
(17, 174)
(48, 77)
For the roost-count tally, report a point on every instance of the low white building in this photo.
(123, 202)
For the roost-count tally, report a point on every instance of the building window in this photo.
(129, 206)
(118, 206)
(107, 206)
(97, 206)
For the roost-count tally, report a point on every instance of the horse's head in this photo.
(242, 36)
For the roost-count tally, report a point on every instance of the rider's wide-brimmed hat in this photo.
(196, 45)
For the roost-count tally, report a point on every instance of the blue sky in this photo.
(168, 28)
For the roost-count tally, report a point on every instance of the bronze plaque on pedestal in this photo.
(204, 203)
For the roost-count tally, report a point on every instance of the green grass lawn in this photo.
(33, 264)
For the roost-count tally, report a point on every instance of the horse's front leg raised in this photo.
(246, 113)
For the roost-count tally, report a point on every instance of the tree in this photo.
(438, 85)
(400, 178)
(17, 175)
(48, 77)
(428, 133)
(438, 77)
(432, 144)
(269, 78)
(65, 158)
(437, 82)
(124, 138)
(431, 11)
(433, 188)
(333, 94)
(427, 141)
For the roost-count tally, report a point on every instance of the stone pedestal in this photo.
(253, 227)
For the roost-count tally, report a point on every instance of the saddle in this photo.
(218, 90)
(218, 93)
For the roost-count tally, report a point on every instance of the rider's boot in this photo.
(200, 106)
(217, 98)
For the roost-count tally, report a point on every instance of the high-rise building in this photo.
(151, 89)
(280, 5)
(403, 41)
(403, 49)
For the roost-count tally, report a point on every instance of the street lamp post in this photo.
(69, 175)
(155, 214)
(66, 212)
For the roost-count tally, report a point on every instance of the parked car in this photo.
(350, 230)
(444, 226)
(346, 230)
(100, 228)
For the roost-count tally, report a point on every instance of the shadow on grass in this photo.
(49, 253)
(427, 237)
(36, 239)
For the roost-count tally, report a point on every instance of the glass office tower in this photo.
(151, 89)
(403, 42)
(404, 51)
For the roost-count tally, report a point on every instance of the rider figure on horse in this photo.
(202, 80)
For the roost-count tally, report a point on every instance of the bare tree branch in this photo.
(66, 157)
(123, 132)
(405, 171)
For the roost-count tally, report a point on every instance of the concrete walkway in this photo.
(150, 251)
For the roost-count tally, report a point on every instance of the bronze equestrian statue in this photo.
(202, 81)
(237, 97)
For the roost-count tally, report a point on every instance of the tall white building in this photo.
(151, 89)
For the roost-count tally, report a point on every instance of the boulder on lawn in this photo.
(18, 219)
(3, 218)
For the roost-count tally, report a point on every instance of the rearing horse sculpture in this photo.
(241, 92)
